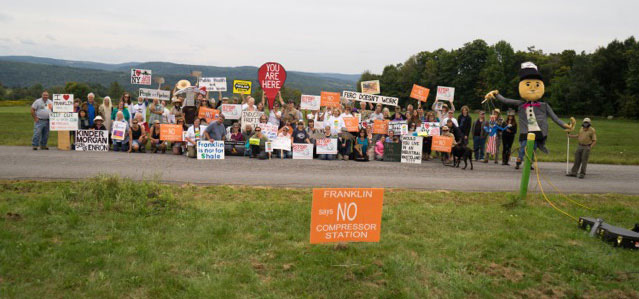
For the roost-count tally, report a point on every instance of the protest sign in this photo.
(118, 130)
(351, 123)
(268, 147)
(213, 83)
(63, 121)
(251, 118)
(271, 77)
(92, 141)
(162, 95)
(210, 150)
(242, 86)
(269, 130)
(326, 146)
(171, 132)
(419, 93)
(445, 93)
(392, 152)
(380, 126)
(369, 98)
(63, 103)
(142, 77)
(310, 102)
(396, 126)
(329, 99)
(430, 128)
(442, 144)
(282, 143)
(370, 87)
(231, 111)
(207, 113)
(346, 215)
(303, 151)
(412, 149)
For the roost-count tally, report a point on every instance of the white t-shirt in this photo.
(246, 106)
(445, 120)
(376, 116)
(192, 134)
(138, 108)
(336, 124)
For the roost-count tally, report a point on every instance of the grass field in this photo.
(617, 144)
(111, 238)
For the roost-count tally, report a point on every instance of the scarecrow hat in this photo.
(529, 71)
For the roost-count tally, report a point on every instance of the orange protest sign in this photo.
(351, 123)
(171, 132)
(419, 93)
(330, 99)
(380, 126)
(208, 113)
(442, 144)
(346, 215)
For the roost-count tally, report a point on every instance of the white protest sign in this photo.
(303, 151)
(251, 118)
(445, 93)
(369, 98)
(430, 128)
(162, 95)
(396, 126)
(268, 147)
(269, 130)
(213, 83)
(63, 121)
(63, 103)
(231, 111)
(142, 77)
(118, 130)
(310, 102)
(92, 141)
(412, 149)
(210, 150)
(326, 146)
(282, 143)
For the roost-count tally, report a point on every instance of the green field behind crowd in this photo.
(617, 139)
(112, 238)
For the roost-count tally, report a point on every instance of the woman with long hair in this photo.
(508, 136)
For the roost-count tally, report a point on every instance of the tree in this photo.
(115, 91)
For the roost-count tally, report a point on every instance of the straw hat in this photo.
(182, 84)
(98, 118)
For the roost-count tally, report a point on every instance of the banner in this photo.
(326, 146)
(242, 86)
(369, 98)
(92, 141)
(210, 150)
(271, 77)
(303, 151)
(162, 95)
(346, 215)
(142, 77)
(63, 103)
(251, 118)
(419, 93)
(207, 113)
(442, 144)
(370, 87)
(268, 147)
(329, 99)
(171, 132)
(213, 83)
(63, 121)
(269, 130)
(430, 128)
(445, 93)
(282, 143)
(118, 130)
(351, 123)
(231, 111)
(380, 126)
(310, 102)
(412, 149)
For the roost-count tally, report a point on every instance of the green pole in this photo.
(525, 175)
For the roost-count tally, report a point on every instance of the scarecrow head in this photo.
(531, 87)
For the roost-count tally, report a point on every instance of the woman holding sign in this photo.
(120, 132)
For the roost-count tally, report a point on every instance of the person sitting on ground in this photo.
(235, 124)
(178, 147)
(98, 124)
(156, 143)
(236, 135)
(327, 134)
(285, 133)
(344, 144)
(361, 146)
(258, 145)
(193, 135)
(121, 145)
(300, 135)
(391, 137)
(215, 131)
(138, 136)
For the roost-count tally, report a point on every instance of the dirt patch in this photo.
(502, 271)
(548, 292)
(13, 216)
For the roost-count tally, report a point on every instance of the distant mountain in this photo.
(29, 70)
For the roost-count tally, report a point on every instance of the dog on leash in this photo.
(461, 152)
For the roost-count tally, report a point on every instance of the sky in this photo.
(314, 36)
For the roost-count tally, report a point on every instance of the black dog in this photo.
(461, 152)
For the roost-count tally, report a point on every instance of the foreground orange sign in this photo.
(442, 144)
(171, 132)
(208, 114)
(380, 126)
(330, 99)
(351, 123)
(419, 93)
(346, 215)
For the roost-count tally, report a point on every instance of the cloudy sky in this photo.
(317, 36)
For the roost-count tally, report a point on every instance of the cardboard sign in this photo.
(141, 77)
(210, 150)
(380, 126)
(303, 151)
(419, 93)
(207, 113)
(118, 129)
(412, 149)
(396, 127)
(445, 93)
(171, 132)
(351, 123)
(268, 147)
(330, 99)
(430, 128)
(271, 76)
(251, 118)
(63, 103)
(231, 111)
(242, 86)
(310, 102)
(282, 143)
(63, 121)
(370, 87)
(346, 215)
(326, 146)
(92, 141)
(442, 144)
(369, 98)
(269, 130)
(213, 83)
(162, 95)
(392, 152)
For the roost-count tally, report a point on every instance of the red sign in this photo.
(271, 76)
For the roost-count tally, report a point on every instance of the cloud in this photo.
(50, 37)
(5, 18)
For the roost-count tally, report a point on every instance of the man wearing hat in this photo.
(587, 139)
(98, 123)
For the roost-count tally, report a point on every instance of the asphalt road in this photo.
(18, 162)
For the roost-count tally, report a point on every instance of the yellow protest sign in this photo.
(242, 86)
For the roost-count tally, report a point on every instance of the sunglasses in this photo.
(258, 130)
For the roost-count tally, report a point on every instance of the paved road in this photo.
(24, 163)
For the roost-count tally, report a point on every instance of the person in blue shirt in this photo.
(491, 144)
(91, 107)
(361, 146)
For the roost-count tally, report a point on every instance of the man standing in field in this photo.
(587, 139)
(40, 112)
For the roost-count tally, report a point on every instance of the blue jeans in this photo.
(40, 133)
(522, 152)
(287, 154)
(479, 145)
(326, 157)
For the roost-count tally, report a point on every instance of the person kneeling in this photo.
(138, 137)
(156, 143)
(257, 143)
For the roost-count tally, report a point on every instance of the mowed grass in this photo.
(111, 238)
